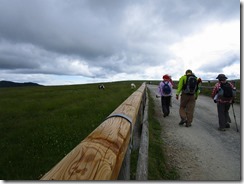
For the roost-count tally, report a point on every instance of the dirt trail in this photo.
(201, 152)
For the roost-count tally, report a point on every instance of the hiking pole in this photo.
(234, 117)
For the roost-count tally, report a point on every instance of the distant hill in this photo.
(4, 84)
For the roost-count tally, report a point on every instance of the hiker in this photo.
(199, 84)
(165, 91)
(223, 94)
(189, 92)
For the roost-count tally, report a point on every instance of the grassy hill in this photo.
(4, 84)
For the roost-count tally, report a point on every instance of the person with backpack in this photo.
(188, 89)
(223, 94)
(165, 90)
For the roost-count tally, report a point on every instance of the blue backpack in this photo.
(166, 88)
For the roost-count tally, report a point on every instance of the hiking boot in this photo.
(182, 122)
(227, 125)
(221, 129)
(188, 124)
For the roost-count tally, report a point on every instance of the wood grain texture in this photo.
(100, 155)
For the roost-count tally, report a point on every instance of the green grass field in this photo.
(40, 125)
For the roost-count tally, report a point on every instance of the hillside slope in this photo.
(4, 84)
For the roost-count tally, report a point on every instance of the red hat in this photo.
(166, 77)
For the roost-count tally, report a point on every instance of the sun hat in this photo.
(221, 77)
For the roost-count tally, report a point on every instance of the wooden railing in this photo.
(100, 155)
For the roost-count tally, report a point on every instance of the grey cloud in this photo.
(218, 65)
(71, 31)
(84, 27)
(111, 36)
(12, 62)
(186, 16)
(14, 56)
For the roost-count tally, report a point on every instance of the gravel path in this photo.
(201, 152)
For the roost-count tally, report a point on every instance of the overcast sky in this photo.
(59, 42)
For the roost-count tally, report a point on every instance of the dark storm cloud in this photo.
(17, 57)
(75, 28)
(103, 36)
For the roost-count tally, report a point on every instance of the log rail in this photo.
(100, 155)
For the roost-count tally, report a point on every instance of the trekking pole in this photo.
(234, 117)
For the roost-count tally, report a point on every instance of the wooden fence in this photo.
(100, 155)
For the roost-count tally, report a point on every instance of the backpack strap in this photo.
(184, 82)
(165, 82)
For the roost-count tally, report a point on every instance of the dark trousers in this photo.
(223, 114)
(165, 102)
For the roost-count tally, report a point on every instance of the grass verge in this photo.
(158, 169)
